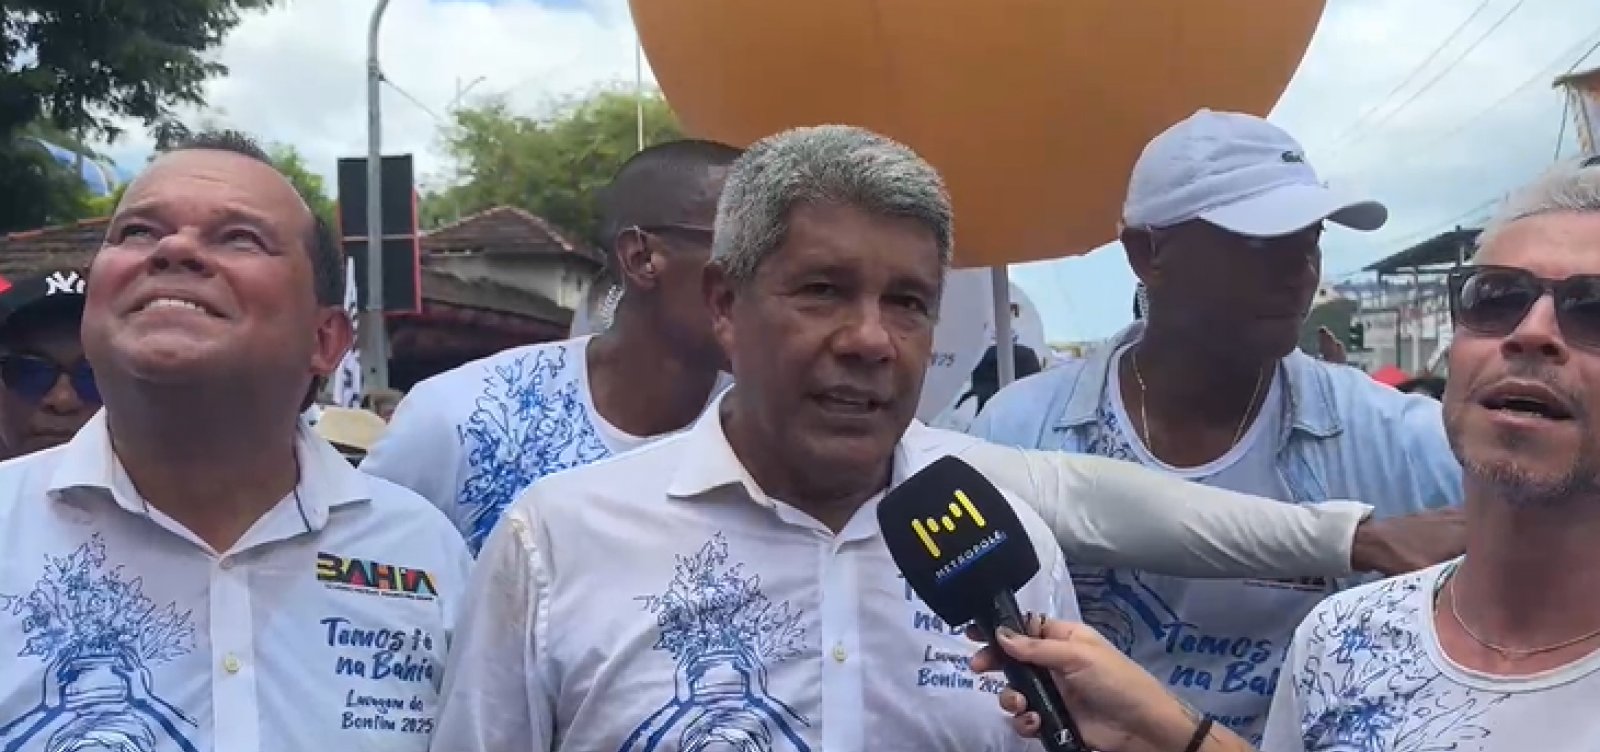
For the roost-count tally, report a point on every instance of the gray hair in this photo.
(1572, 185)
(827, 164)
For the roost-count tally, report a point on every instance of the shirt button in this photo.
(231, 664)
(226, 563)
(839, 653)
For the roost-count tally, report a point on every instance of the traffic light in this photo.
(1358, 336)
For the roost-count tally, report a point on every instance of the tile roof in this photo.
(504, 229)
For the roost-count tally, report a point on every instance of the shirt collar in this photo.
(327, 480)
(709, 462)
(1307, 394)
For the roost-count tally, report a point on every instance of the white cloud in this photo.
(298, 77)
(298, 73)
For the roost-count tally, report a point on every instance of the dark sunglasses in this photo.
(1493, 301)
(32, 377)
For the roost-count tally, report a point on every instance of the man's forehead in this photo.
(1554, 244)
(820, 248)
(224, 175)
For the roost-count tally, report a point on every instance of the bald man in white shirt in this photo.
(196, 569)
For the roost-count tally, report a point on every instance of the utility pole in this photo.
(373, 334)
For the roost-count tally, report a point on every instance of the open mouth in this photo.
(848, 402)
(1529, 401)
(167, 303)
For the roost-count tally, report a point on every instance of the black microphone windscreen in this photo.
(956, 539)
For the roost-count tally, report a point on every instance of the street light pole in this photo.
(373, 334)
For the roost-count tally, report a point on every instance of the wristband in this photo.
(1200, 733)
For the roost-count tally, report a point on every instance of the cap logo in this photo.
(63, 283)
(1294, 156)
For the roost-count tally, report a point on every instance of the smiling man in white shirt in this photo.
(196, 569)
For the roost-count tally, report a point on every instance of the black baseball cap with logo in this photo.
(56, 288)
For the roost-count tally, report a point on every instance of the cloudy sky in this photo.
(1474, 118)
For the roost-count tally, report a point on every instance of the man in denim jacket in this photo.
(1222, 225)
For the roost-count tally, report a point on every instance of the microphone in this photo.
(963, 550)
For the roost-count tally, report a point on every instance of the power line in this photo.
(1412, 76)
(1544, 73)
(1476, 212)
(1561, 135)
(1447, 69)
(413, 100)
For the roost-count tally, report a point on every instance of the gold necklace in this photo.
(1509, 653)
(1144, 414)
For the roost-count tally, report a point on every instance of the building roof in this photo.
(1438, 253)
(441, 286)
(507, 230)
(56, 247)
(1577, 77)
(73, 246)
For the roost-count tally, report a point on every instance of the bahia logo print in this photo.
(98, 635)
(361, 575)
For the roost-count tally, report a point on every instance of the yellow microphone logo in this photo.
(960, 509)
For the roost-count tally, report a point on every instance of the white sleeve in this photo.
(1283, 732)
(420, 449)
(495, 695)
(1110, 513)
(1063, 596)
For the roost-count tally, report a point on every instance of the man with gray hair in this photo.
(728, 586)
(1498, 650)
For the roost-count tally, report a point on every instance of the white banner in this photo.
(965, 331)
(959, 340)
(346, 388)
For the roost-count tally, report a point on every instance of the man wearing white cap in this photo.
(1222, 226)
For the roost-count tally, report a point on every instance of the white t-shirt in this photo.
(1366, 673)
(1218, 644)
(472, 438)
(659, 601)
(324, 628)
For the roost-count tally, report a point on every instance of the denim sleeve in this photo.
(1434, 472)
(1016, 415)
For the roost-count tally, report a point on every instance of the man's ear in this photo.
(334, 336)
(721, 294)
(638, 264)
(1141, 250)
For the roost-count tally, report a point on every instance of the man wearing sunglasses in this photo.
(473, 438)
(1222, 225)
(49, 390)
(1495, 651)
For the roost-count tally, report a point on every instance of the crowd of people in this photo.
(663, 536)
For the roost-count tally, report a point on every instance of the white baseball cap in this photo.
(1238, 172)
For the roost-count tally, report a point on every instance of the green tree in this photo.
(311, 186)
(551, 166)
(80, 66)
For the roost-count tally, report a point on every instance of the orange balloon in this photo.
(1033, 110)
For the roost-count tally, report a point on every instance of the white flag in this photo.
(346, 391)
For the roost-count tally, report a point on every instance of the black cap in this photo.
(957, 540)
(63, 287)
